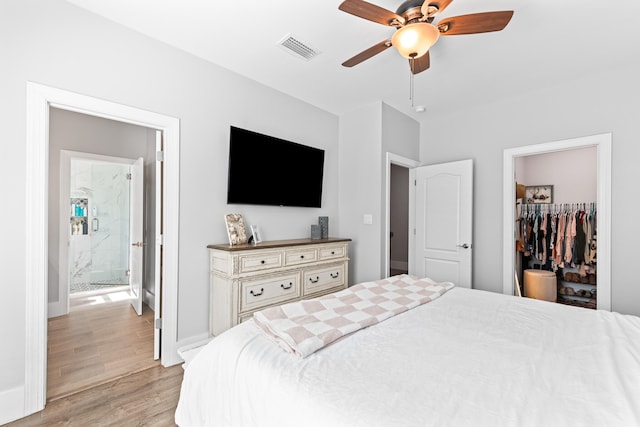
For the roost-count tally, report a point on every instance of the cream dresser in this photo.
(246, 278)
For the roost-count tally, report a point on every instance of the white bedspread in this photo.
(469, 358)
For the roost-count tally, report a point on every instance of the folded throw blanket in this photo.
(303, 327)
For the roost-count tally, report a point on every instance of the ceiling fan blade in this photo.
(371, 12)
(420, 64)
(474, 23)
(431, 7)
(368, 53)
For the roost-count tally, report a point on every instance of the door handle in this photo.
(464, 246)
(138, 244)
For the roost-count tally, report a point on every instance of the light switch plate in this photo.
(368, 219)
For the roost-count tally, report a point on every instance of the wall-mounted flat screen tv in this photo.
(264, 170)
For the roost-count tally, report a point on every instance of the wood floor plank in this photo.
(147, 398)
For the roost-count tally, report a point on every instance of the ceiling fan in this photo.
(415, 30)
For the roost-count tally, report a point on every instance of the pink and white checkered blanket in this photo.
(304, 327)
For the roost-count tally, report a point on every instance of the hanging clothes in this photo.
(559, 236)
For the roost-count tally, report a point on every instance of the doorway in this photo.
(397, 205)
(97, 337)
(399, 220)
(40, 99)
(602, 144)
(94, 248)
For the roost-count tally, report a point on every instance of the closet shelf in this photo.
(591, 303)
(589, 279)
(568, 291)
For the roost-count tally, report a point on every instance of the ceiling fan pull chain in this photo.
(411, 60)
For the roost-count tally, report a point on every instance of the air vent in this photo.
(297, 48)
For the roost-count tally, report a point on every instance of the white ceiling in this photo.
(546, 42)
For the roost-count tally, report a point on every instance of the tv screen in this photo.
(264, 170)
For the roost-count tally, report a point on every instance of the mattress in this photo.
(468, 358)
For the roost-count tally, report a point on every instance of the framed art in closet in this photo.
(539, 194)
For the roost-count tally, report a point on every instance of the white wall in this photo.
(585, 105)
(360, 144)
(573, 174)
(366, 135)
(59, 45)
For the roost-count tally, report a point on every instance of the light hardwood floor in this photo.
(147, 398)
(100, 367)
(101, 339)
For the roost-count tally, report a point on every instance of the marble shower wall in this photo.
(102, 255)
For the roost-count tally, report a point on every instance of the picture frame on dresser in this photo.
(236, 230)
(255, 232)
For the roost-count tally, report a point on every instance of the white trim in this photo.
(39, 99)
(149, 298)
(36, 169)
(603, 144)
(395, 159)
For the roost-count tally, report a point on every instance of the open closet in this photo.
(556, 226)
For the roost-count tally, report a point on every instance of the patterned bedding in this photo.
(304, 327)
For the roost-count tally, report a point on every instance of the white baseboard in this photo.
(12, 405)
(55, 309)
(193, 342)
(148, 298)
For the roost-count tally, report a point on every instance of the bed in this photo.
(467, 358)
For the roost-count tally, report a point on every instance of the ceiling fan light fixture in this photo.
(414, 40)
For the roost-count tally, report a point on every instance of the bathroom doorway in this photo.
(95, 335)
(42, 255)
(99, 222)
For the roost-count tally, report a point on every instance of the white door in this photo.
(443, 222)
(136, 233)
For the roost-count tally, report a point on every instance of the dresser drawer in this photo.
(259, 261)
(330, 252)
(300, 256)
(266, 291)
(323, 278)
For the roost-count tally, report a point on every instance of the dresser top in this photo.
(276, 244)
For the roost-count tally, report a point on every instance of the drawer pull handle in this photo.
(314, 281)
(257, 294)
(334, 276)
(262, 262)
(301, 256)
(333, 252)
(288, 287)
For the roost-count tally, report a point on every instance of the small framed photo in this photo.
(235, 229)
(539, 194)
(255, 231)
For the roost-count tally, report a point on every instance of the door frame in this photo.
(40, 99)
(602, 142)
(398, 160)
